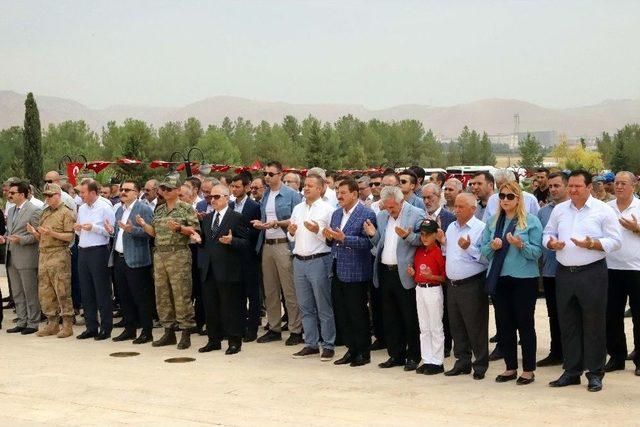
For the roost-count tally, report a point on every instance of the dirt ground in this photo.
(51, 381)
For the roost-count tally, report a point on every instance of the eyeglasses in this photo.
(48, 181)
(509, 196)
(375, 184)
(126, 190)
(13, 192)
(255, 188)
(271, 174)
(217, 196)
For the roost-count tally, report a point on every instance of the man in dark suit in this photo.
(131, 260)
(352, 271)
(22, 258)
(224, 238)
(431, 196)
(250, 211)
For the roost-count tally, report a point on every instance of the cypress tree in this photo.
(32, 154)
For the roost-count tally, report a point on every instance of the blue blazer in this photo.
(354, 262)
(410, 217)
(136, 244)
(446, 218)
(286, 200)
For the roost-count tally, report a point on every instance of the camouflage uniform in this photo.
(172, 266)
(54, 265)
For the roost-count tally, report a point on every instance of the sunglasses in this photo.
(48, 181)
(375, 184)
(255, 188)
(509, 196)
(126, 190)
(271, 174)
(216, 196)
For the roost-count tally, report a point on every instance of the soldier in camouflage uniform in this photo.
(54, 266)
(174, 224)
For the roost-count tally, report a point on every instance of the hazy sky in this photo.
(377, 53)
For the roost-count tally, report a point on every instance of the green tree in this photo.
(454, 157)
(626, 153)
(486, 152)
(192, 131)
(605, 148)
(11, 149)
(32, 154)
(531, 152)
(217, 147)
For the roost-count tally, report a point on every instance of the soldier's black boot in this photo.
(185, 340)
(169, 338)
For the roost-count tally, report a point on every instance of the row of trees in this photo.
(347, 143)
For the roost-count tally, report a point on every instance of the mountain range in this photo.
(495, 116)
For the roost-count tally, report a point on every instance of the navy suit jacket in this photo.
(201, 206)
(446, 218)
(353, 256)
(250, 212)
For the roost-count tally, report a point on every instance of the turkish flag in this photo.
(73, 169)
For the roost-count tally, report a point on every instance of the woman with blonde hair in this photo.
(512, 242)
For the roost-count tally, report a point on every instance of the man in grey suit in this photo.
(22, 258)
(396, 241)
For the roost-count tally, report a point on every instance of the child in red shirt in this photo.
(428, 273)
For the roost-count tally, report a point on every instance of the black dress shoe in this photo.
(525, 381)
(614, 365)
(455, 371)
(233, 349)
(504, 378)
(344, 360)
(15, 329)
(631, 355)
(478, 375)
(391, 362)
(565, 380)
(550, 360)
(422, 368)
(410, 365)
(87, 334)
(595, 383)
(269, 337)
(144, 338)
(433, 369)
(103, 335)
(378, 345)
(294, 339)
(496, 354)
(638, 372)
(360, 360)
(28, 331)
(250, 336)
(211, 346)
(125, 336)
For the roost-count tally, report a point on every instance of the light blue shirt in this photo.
(523, 262)
(464, 263)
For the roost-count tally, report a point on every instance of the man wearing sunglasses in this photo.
(257, 189)
(174, 225)
(408, 183)
(151, 193)
(53, 177)
(277, 268)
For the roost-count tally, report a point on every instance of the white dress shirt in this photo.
(95, 215)
(595, 219)
(346, 215)
(530, 203)
(375, 207)
(126, 211)
(239, 204)
(8, 206)
(306, 242)
(37, 203)
(628, 256)
(389, 255)
(331, 198)
(464, 263)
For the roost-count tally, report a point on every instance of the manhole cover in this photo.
(125, 354)
(180, 360)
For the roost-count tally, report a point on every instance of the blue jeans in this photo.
(313, 290)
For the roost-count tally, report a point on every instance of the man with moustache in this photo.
(452, 187)
(352, 268)
(224, 239)
(482, 186)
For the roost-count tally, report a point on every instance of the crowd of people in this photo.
(415, 261)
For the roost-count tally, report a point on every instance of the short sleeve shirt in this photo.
(428, 258)
(61, 220)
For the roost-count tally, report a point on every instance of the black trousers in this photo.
(622, 284)
(582, 308)
(375, 308)
(76, 294)
(351, 314)
(515, 303)
(134, 286)
(196, 288)
(468, 307)
(251, 283)
(401, 330)
(95, 285)
(549, 284)
(448, 339)
(224, 309)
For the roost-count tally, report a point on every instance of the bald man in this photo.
(53, 177)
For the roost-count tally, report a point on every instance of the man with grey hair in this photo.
(53, 177)
(150, 191)
(502, 176)
(204, 206)
(452, 187)
(395, 240)
(624, 274)
(328, 194)
(292, 180)
(364, 192)
(467, 305)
